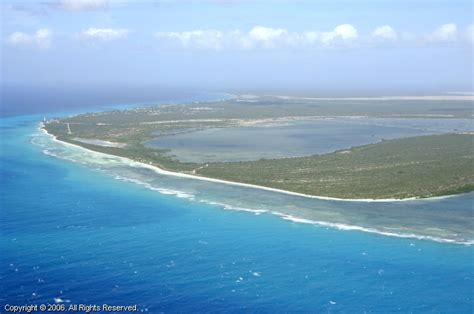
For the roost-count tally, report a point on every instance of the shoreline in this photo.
(234, 183)
(284, 216)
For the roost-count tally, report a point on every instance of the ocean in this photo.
(76, 228)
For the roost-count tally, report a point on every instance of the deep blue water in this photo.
(20, 100)
(74, 233)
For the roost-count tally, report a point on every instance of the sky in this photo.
(338, 45)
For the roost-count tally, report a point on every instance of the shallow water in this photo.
(74, 228)
(297, 138)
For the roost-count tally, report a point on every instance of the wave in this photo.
(181, 194)
(176, 193)
(235, 208)
(346, 227)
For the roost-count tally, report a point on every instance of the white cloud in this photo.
(104, 34)
(262, 33)
(345, 31)
(41, 38)
(266, 36)
(259, 37)
(79, 5)
(385, 32)
(214, 39)
(341, 34)
(444, 33)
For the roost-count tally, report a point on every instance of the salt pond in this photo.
(295, 138)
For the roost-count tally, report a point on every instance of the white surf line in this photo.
(341, 226)
(195, 177)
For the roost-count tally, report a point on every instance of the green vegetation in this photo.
(421, 166)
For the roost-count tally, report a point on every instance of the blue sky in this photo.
(317, 45)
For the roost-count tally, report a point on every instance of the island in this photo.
(353, 148)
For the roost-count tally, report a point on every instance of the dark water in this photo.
(20, 100)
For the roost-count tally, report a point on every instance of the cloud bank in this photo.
(342, 36)
(260, 37)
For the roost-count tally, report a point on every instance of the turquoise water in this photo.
(75, 229)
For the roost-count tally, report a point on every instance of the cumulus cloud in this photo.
(261, 33)
(41, 38)
(340, 35)
(444, 33)
(344, 31)
(259, 37)
(79, 5)
(104, 34)
(385, 32)
(266, 36)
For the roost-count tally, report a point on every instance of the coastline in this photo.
(286, 216)
(234, 183)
